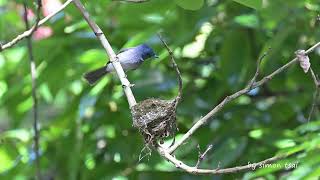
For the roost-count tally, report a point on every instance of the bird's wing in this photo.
(121, 51)
(125, 49)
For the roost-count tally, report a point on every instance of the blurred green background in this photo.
(86, 131)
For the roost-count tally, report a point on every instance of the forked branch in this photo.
(33, 28)
(229, 98)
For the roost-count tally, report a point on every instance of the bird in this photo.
(129, 58)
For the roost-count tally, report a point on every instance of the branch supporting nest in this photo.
(178, 98)
(113, 57)
(170, 112)
(194, 170)
(156, 118)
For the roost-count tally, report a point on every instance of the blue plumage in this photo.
(130, 59)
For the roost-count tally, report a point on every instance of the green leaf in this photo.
(190, 4)
(247, 20)
(255, 4)
(6, 161)
(2, 2)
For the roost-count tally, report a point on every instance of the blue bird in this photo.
(130, 59)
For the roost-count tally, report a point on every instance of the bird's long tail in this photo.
(93, 76)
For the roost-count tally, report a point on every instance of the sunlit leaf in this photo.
(6, 161)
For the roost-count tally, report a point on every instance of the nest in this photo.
(155, 119)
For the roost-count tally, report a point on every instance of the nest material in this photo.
(155, 119)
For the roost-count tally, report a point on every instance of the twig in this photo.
(32, 29)
(270, 76)
(203, 155)
(316, 93)
(175, 66)
(194, 170)
(113, 57)
(227, 99)
(253, 80)
(314, 103)
(33, 82)
(39, 6)
(315, 78)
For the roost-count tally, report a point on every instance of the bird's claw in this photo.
(130, 85)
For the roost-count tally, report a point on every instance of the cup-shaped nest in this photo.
(155, 119)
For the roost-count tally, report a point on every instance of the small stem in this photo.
(175, 66)
(202, 156)
(253, 80)
(314, 103)
(34, 94)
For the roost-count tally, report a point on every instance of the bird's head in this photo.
(147, 52)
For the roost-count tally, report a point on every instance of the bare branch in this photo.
(315, 78)
(174, 65)
(227, 99)
(269, 77)
(194, 170)
(33, 28)
(203, 155)
(113, 57)
(253, 80)
(39, 6)
(314, 103)
(316, 93)
(34, 85)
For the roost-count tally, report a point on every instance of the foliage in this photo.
(86, 131)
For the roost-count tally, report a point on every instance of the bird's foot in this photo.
(130, 85)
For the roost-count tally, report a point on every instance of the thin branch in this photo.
(269, 77)
(315, 78)
(314, 103)
(174, 65)
(33, 28)
(194, 170)
(316, 93)
(227, 99)
(39, 6)
(113, 57)
(253, 80)
(203, 155)
(34, 94)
